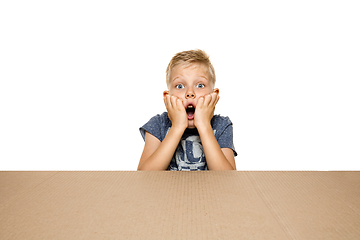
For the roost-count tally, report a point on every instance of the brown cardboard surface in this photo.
(180, 205)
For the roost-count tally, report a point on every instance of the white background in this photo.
(78, 78)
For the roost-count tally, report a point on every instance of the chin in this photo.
(191, 124)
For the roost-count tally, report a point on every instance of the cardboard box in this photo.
(180, 205)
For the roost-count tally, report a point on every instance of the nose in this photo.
(190, 94)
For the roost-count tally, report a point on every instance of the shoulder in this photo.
(157, 126)
(218, 121)
(220, 124)
(162, 120)
(159, 119)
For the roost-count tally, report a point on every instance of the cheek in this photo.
(174, 93)
(203, 92)
(178, 94)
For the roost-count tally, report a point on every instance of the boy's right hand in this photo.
(176, 111)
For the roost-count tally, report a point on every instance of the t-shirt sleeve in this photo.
(157, 126)
(153, 127)
(224, 133)
(225, 140)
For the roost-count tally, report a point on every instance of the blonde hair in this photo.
(187, 58)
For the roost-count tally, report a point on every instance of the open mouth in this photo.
(190, 110)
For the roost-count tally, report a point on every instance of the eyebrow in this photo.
(204, 77)
(175, 79)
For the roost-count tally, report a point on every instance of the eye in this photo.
(200, 85)
(179, 86)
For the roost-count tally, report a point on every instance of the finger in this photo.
(208, 99)
(173, 100)
(214, 99)
(217, 99)
(179, 103)
(200, 102)
(167, 101)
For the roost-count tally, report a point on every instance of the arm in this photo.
(217, 158)
(157, 155)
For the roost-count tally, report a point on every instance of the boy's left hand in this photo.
(205, 109)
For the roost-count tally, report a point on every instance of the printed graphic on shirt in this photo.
(190, 154)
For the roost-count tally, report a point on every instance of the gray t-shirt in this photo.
(189, 155)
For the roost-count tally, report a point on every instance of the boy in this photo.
(188, 136)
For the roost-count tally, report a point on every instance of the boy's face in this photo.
(189, 84)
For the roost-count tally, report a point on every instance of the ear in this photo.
(165, 93)
(216, 90)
